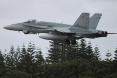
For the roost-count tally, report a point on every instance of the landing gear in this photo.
(73, 42)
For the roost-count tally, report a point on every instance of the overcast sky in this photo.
(15, 11)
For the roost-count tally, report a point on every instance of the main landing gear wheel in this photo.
(73, 42)
(67, 42)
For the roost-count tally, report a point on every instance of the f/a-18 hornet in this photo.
(84, 27)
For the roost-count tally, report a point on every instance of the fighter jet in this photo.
(84, 27)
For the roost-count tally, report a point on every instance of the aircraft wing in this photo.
(63, 29)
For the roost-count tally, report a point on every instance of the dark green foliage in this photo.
(63, 61)
(17, 56)
(7, 73)
(12, 59)
(27, 60)
(114, 75)
(56, 51)
(115, 57)
(81, 68)
(108, 54)
(72, 52)
(115, 60)
(39, 64)
(82, 49)
(60, 52)
(7, 61)
(22, 64)
(39, 57)
(1, 60)
(97, 53)
(89, 52)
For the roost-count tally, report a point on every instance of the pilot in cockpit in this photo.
(29, 21)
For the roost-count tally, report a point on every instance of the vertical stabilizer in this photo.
(94, 20)
(82, 21)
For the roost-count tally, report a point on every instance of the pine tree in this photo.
(12, 52)
(23, 51)
(39, 57)
(9, 58)
(108, 56)
(22, 63)
(76, 49)
(89, 52)
(39, 68)
(63, 47)
(82, 49)
(29, 59)
(17, 56)
(115, 57)
(97, 53)
(115, 60)
(47, 61)
(72, 51)
(7, 61)
(1, 60)
(55, 54)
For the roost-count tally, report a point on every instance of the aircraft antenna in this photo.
(61, 22)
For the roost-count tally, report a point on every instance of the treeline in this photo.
(63, 61)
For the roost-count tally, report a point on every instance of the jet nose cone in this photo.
(8, 27)
(4, 27)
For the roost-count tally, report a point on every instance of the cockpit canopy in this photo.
(31, 20)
